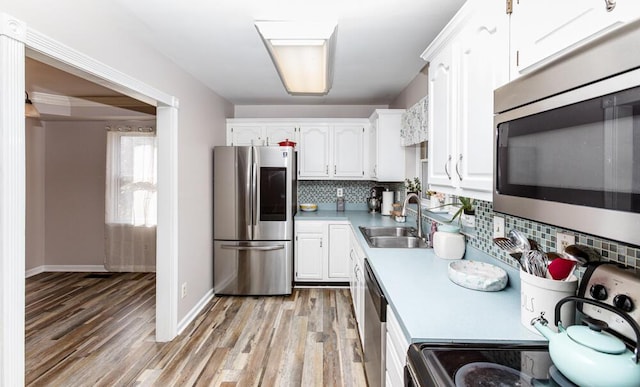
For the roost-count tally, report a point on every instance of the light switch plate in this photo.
(498, 227)
(339, 192)
(563, 240)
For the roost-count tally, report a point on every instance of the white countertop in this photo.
(429, 306)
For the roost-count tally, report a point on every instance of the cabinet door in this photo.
(440, 119)
(245, 135)
(391, 154)
(338, 267)
(545, 29)
(348, 151)
(309, 256)
(277, 133)
(373, 149)
(483, 66)
(314, 152)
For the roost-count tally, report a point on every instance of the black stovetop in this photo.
(444, 365)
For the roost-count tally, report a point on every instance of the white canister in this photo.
(539, 294)
(448, 245)
(387, 202)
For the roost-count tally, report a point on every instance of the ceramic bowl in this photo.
(308, 207)
(478, 275)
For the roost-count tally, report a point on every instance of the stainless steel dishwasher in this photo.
(375, 316)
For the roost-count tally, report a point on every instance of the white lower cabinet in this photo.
(322, 251)
(396, 353)
(357, 285)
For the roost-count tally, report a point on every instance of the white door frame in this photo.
(16, 40)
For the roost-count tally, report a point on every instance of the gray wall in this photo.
(417, 89)
(306, 111)
(35, 190)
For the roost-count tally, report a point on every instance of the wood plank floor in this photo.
(92, 329)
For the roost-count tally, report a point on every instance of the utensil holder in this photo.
(539, 294)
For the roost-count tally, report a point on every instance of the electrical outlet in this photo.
(184, 290)
(339, 192)
(563, 240)
(498, 227)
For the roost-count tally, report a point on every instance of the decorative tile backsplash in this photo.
(324, 191)
(545, 235)
(355, 191)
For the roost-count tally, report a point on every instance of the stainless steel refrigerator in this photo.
(254, 201)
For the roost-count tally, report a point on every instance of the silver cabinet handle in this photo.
(335, 169)
(446, 170)
(457, 170)
(326, 169)
(258, 248)
(610, 5)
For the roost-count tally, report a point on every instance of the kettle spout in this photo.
(540, 323)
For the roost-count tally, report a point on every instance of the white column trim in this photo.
(167, 231)
(45, 49)
(12, 202)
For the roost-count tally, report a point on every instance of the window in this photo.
(131, 195)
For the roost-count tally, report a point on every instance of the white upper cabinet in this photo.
(332, 148)
(348, 151)
(239, 135)
(243, 132)
(275, 133)
(386, 153)
(542, 30)
(440, 118)
(314, 151)
(468, 60)
(333, 151)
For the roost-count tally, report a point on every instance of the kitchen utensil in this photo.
(286, 142)
(575, 254)
(506, 245)
(588, 356)
(520, 240)
(535, 262)
(560, 268)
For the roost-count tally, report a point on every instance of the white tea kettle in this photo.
(586, 355)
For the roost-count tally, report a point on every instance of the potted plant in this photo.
(413, 185)
(466, 212)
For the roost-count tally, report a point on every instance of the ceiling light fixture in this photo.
(29, 109)
(302, 52)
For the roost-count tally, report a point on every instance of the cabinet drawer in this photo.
(396, 341)
(394, 366)
(310, 226)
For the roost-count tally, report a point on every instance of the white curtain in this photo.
(131, 201)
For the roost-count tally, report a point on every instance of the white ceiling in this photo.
(377, 54)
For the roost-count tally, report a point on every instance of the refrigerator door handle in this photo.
(259, 248)
(254, 192)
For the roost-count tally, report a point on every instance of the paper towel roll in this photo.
(387, 202)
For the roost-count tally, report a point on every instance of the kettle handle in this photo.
(625, 316)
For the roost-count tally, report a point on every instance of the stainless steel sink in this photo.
(388, 231)
(393, 237)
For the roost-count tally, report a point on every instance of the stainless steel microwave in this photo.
(567, 140)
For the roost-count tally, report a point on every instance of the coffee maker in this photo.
(374, 201)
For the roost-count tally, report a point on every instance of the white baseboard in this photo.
(193, 313)
(69, 268)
